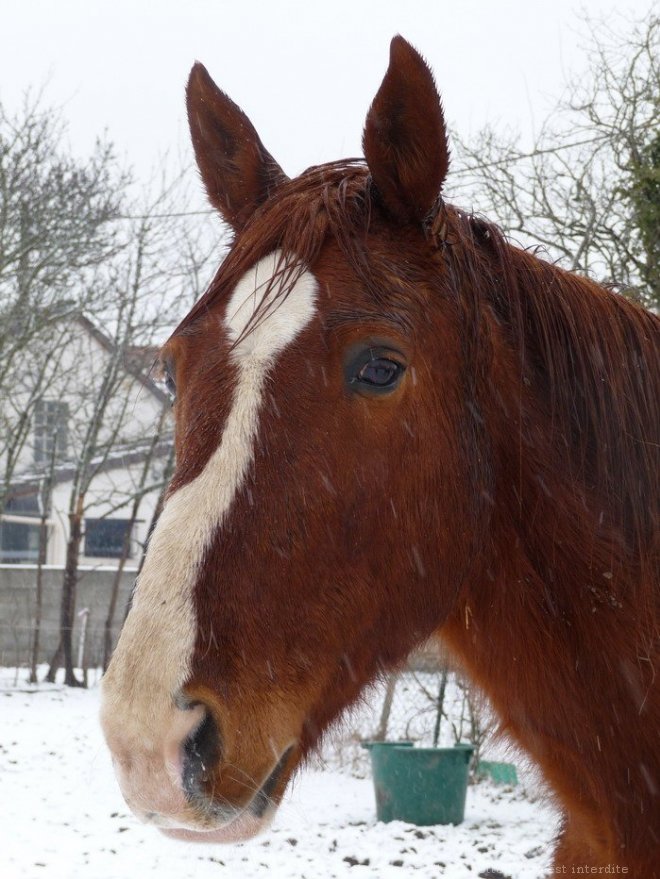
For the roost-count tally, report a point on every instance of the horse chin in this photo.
(238, 825)
(242, 828)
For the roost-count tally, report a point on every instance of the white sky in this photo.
(305, 72)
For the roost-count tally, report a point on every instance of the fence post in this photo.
(381, 733)
(83, 616)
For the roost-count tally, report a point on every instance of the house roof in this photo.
(137, 360)
(118, 459)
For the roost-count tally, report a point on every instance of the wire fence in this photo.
(426, 702)
(433, 705)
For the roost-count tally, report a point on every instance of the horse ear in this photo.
(405, 140)
(238, 171)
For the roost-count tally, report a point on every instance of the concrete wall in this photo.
(17, 605)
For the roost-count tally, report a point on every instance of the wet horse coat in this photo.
(391, 425)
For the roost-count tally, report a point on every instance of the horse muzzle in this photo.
(183, 783)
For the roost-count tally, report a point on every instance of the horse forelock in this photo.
(294, 222)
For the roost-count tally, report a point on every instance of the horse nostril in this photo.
(201, 752)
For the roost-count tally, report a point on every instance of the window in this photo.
(51, 430)
(19, 543)
(23, 504)
(104, 538)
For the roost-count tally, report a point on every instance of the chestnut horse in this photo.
(392, 424)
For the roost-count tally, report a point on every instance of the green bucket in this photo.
(500, 773)
(368, 744)
(422, 786)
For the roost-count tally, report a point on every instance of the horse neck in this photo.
(557, 628)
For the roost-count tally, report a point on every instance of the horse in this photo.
(393, 425)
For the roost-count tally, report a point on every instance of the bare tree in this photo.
(159, 438)
(589, 189)
(72, 245)
(146, 283)
(46, 494)
(106, 427)
(57, 227)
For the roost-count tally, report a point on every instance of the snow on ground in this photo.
(62, 816)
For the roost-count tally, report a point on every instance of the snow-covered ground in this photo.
(62, 817)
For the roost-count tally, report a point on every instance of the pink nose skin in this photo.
(162, 777)
(244, 827)
(151, 772)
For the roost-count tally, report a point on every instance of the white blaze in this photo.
(152, 659)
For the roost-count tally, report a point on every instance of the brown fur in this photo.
(503, 497)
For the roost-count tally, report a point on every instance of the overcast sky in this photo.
(304, 72)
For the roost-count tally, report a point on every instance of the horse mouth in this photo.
(263, 799)
(229, 824)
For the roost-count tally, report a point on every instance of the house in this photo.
(90, 401)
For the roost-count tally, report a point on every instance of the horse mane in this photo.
(590, 356)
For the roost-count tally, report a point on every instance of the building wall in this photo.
(17, 606)
(110, 490)
(133, 414)
(77, 376)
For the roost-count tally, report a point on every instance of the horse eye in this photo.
(380, 372)
(374, 369)
(170, 385)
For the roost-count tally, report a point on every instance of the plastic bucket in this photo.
(378, 743)
(422, 786)
(500, 773)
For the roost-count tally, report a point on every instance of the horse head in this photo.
(318, 523)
